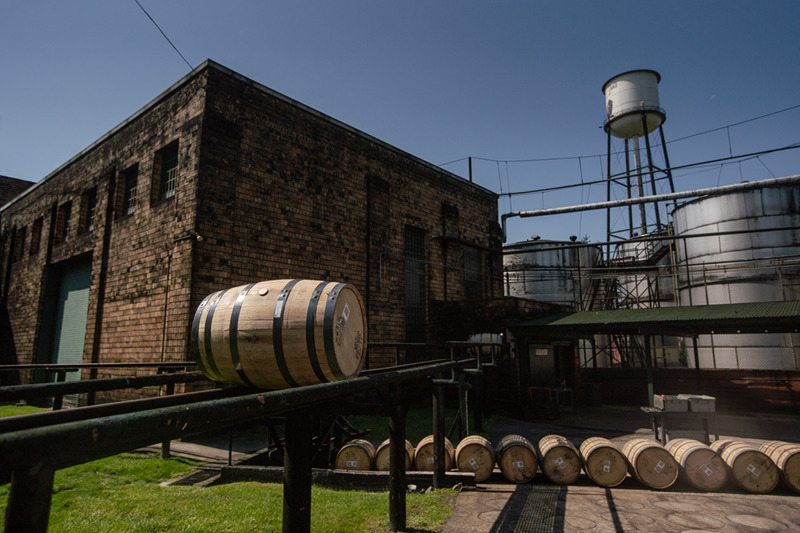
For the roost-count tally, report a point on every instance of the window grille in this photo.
(167, 159)
(415, 284)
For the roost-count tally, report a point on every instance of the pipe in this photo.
(747, 186)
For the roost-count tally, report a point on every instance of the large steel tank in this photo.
(558, 272)
(745, 259)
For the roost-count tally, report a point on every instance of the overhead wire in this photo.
(164, 34)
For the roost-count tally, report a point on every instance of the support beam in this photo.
(397, 461)
(438, 437)
(28, 508)
(297, 472)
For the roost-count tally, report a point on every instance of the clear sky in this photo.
(499, 81)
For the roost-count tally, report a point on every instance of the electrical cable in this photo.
(164, 34)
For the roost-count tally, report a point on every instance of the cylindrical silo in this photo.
(742, 258)
(628, 96)
(557, 272)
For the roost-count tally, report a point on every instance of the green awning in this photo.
(766, 317)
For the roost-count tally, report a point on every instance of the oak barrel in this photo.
(357, 454)
(650, 463)
(382, 456)
(559, 459)
(475, 454)
(423, 454)
(516, 458)
(281, 333)
(751, 469)
(603, 462)
(786, 457)
(700, 465)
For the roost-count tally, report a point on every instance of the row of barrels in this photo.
(707, 468)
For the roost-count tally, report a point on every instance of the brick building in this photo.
(218, 182)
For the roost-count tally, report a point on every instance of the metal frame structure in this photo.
(31, 456)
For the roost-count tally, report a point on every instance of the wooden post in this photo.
(29, 500)
(397, 461)
(297, 472)
(166, 443)
(438, 437)
(463, 409)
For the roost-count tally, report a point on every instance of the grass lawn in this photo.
(419, 424)
(122, 494)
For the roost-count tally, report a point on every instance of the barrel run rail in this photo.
(31, 456)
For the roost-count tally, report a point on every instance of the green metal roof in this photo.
(766, 317)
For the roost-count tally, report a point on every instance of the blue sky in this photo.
(499, 81)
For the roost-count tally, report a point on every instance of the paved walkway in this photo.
(497, 507)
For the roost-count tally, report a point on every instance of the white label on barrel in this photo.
(518, 464)
(706, 470)
(606, 466)
(561, 464)
(351, 464)
(659, 466)
(278, 309)
(756, 472)
(473, 463)
(345, 314)
(430, 460)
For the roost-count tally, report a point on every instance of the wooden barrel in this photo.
(475, 454)
(700, 465)
(281, 333)
(423, 454)
(357, 454)
(650, 463)
(751, 469)
(603, 462)
(786, 457)
(516, 458)
(382, 456)
(559, 459)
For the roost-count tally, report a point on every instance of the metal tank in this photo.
(746, 260)
(628, 95)
(558, 272)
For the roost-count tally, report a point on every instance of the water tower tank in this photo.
(628, 95)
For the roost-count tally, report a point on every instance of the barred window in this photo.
(166, 168)
(473, 274)
(19, 243)
(88, 208)
(414, 251)
(36, 236)
(130, 185)
(62, 222)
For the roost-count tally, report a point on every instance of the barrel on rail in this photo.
(382, 455)
(651, 463)
(603, 462)
(559, 459)
(281, 333)
(357, 454)
(786, 457)
(700, 465)
(516, 458)
(424, 454)
(751, 469)
(475, 454)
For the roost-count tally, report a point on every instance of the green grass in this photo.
(122, 494)
(14, 410)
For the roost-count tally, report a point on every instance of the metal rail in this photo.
(32, 456)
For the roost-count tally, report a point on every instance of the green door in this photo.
(69, 321)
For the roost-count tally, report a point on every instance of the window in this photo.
(415, 284)
(19, 243)
(88, 208)
(130, 181)
(473, 274)
(36, 236)
(62, 222)
(165, 169)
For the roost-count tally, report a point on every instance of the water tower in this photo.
(634, 113)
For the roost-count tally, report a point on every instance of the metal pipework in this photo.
(747, 186)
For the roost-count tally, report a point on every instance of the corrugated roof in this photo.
(772, 317)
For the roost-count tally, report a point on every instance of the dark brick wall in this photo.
(10, 188)
(276, 190)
